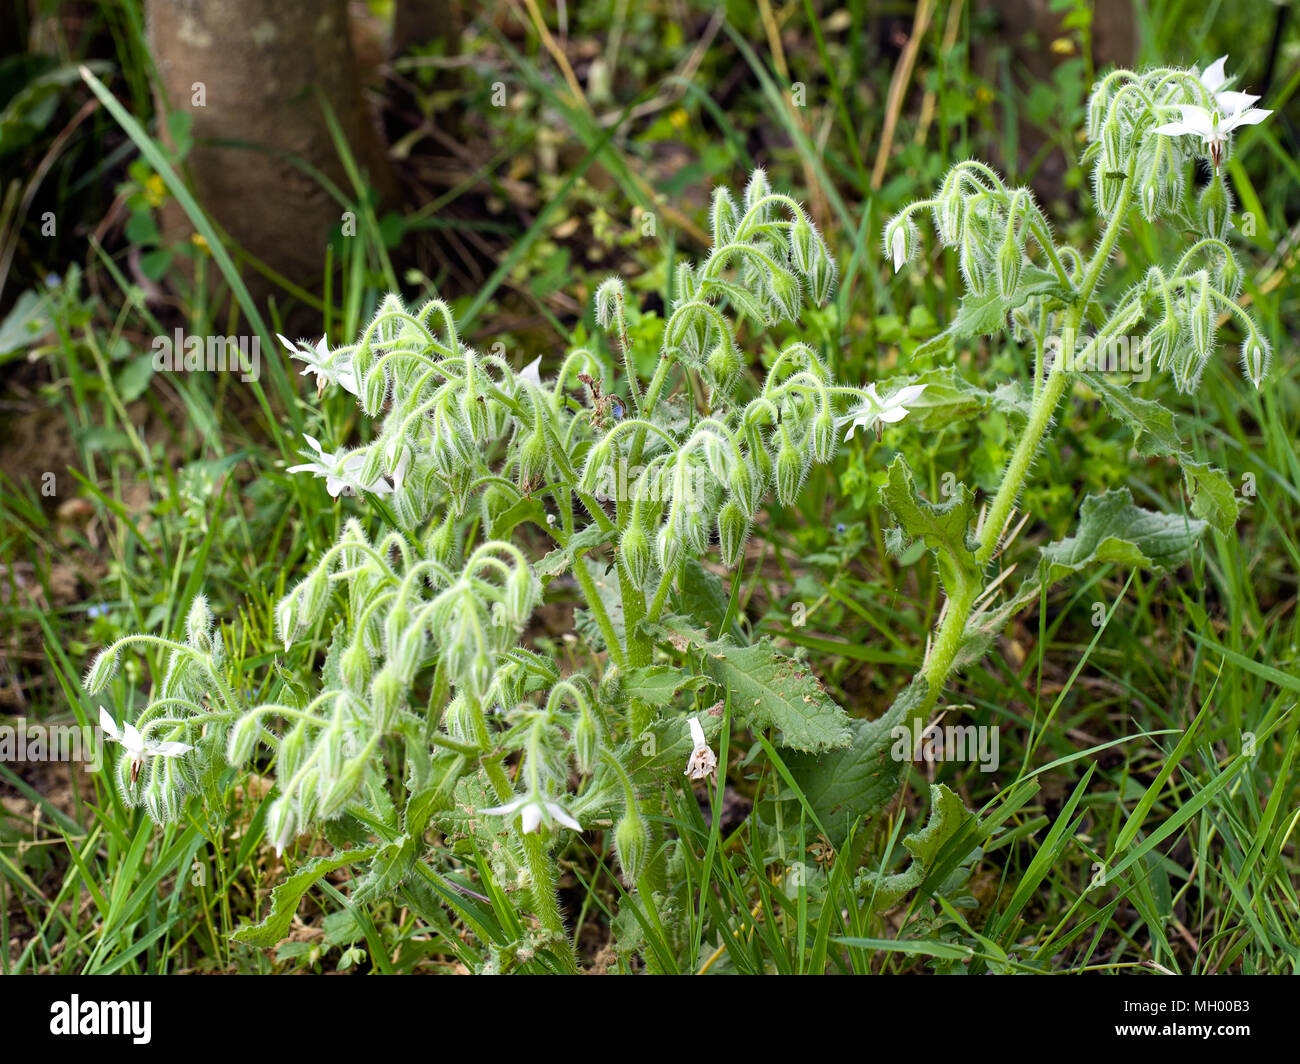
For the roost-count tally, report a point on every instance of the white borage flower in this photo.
(342, 471)
(703, 762)
(532, 373)
(875, 410)
(534, 811)
(1215, 127)
(136, 745)
(329, 369)
(1214, 79)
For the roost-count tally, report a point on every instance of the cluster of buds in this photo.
(1145, 132)
(173, 746)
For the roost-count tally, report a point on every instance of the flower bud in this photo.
(281, 824)
(821, 281)
(586, 740)
(242, 741)
(593, 472)
(1202, 324)
(286, 617)
(972, 262)
(198, 625)
(608, 297)
(824, 437)
(521, 593)
(631, 844)
(480, 675)
(1010, 260)
(315, 594)
(733, 530)
(355, 666)
(634, 549)
(1214, 208)
(374, 391)
(745, 487)
(724, 363)
(790, 470)
(386, 695)
(723, 217)
(101, 671)
(1255, 357)
(1229, 276)
(669, 549)
(440, 544)
(900, 241)
(783, 288)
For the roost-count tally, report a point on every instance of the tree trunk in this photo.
(256, 71)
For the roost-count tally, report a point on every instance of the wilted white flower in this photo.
(329, 370)
(342, 471)
(876, 410)
(533, 811)
(136, 745)
(703, 761)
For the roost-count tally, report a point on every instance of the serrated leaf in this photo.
(948, 815)
(843, 786)
(1212, 495)
(1155, 432)
(770, 690)
(1112, 529)
(941, 527)
(285, 897)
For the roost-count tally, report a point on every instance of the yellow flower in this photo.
(154, 190)
(199, 241)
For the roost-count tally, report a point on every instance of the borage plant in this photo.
(631, 483)
(432, 713)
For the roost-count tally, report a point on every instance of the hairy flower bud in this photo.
(586, 740)
(1214, 208)
(374, 391)
(387, 693)
(723, 216)
(354, 666)
(101, 671)
(198, 625)
(790, 470)
(669, 549)
(733, 530)
(745, 487)
(724, 363)
(631, 844)
(1202, 323)
(634, 549)
(824, 437)
(1255, 357)
(242, 741)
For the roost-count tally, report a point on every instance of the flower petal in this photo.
(109, 726)
(562, 816)
(1213, 75)
(531, 817)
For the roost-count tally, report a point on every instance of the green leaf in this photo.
(941, 527)
(860, 779)
(1112, 529)
(656, 684)
(948, 815)
(285, 897)
(770, 690)
(1213, 499)
(1155, 432)
(701, 597)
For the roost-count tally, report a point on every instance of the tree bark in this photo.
(257, 71)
